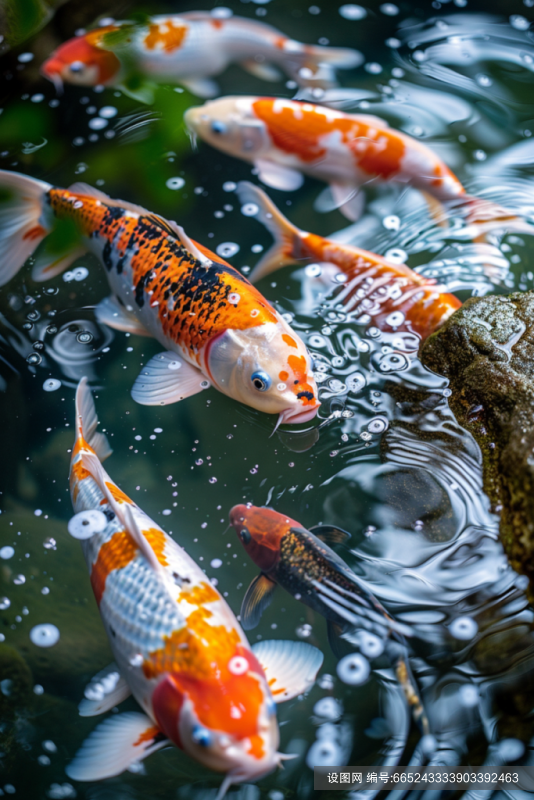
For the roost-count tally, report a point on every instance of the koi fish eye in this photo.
(201, 736)
(77, 66)
(218, 127)
(238, 665)
(244, 535)
(261, 381)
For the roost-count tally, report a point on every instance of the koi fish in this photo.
(178, 647)
(286, 139)
(392, 296)
(302, 562)
(216, 327)
(189, 49)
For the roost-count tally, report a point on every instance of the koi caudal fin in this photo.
(486, 216)
(21, 223)
(87, 423)
(285, 234)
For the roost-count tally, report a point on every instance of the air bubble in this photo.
(313, 270)
(469, 695)
(519, 23)
(396, 255)
(98, 124)
(354, 669)
(304, 631)
(5, 602)
(229, 186)
(389, 9)
(51, 385)
(213, 480)
(356, 382)
(216, 563)
(227, 249)
(87, 523)
(84, 337)
(352, 12)
(250, 209)
(80, 273)
(234, 298)
(45, 635)
(392, 223)
(34, 359)
(328, 707)
(107, 112)
(337, 386)
(7, 552)
(316, 340)
(175, 183)
(370, 645)
(393, 362)
(463, 628)
(324, 753)
(395, 319)
(378, 425)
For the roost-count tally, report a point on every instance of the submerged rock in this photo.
(486, 349)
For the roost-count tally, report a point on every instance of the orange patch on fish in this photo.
(78, 472)
(283, 375)
(117, 494)
(256, 748)
(156, 540)
(299, 367)
(166, 34)
(114, 554)
(198, 595)
(147, 735)
(289, 340)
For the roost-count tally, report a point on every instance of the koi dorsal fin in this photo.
(83, 188)
(87, 422)
(329, 534)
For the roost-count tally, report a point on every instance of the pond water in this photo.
(388, 462)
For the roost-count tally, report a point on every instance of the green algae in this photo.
(486, 349)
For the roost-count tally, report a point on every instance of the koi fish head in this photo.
(230, 125)
(260, 531)
(266, 367)
(225, 718)
(82, 61)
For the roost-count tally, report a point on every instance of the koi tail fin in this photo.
(486, 216)
(316, 65)
(21, 220)
(284, 232)
(87, 422)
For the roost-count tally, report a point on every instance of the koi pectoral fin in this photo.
(277, 176)
(110, 312)
(105, 691)
(202, 87)
(115, 745)
(347, 198)
(266, 72)
(290, 667)
(166, 379)
(257, 597)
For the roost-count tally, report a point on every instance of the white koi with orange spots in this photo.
(177, 645)
(189, 49)
(286, 139)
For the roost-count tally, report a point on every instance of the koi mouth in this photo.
(296, 415)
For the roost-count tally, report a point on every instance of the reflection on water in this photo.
(389, 464)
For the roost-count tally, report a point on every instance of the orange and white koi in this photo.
(285, 139)
(391, 296)
(216, 327)
(189, 49)
(178, 647)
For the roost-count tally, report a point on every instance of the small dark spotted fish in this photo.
(217, 329)
(302, 562)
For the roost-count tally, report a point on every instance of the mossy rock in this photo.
(486, 349)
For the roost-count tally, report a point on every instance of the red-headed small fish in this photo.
(303, 563)
(178, 647)
(391, 296)
(189, 49)
(216, 327)
(285, 139)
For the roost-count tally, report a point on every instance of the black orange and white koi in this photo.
(217, 329)
(178, 647)
(286, 139)
(189, 49)
(391, 296)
